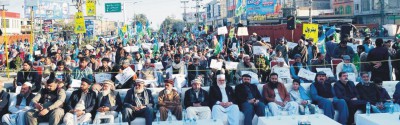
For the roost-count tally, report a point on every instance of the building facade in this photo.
(377, 11)
(12, 23)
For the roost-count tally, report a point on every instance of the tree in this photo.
(170, 24)
(141, 18)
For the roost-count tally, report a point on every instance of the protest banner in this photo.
(101, 77)
(125, 75)
(215, 64)
(306, 74)
(222, 30)
(259, 50)
(283, 73)
(231, 65)
(328, 71)
(242, 31)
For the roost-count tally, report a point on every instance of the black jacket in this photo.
(216, 95)
(118, 102)
(90, 100)
(129, 100)
(241, 93)
(29, 76)
(202, 98)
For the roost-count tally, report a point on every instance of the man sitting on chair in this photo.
(222, 99)
(81, 103)
(108, 100)
(138, 103)
(196, 101)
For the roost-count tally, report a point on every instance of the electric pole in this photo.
(184, 11)
(197, 12)
(310, 12)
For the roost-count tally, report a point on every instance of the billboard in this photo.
(47, 9)
(89, 28)
(264, 8)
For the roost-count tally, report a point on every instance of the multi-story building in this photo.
(12, 22)
(377, 11)
(216, 13)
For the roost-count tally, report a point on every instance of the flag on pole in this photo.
(321, 40)
(139, 27)
(155, 47)
(219, 46)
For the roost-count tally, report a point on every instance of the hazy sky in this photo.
(155, 10)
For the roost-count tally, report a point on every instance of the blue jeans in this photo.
(329, 109)
(250, 109)
(128, 115)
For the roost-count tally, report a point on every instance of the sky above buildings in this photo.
(155, 10)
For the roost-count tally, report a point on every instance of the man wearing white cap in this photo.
(109, 100)
(196, 101)
(149, 74)
(222, 99)
(19, 105)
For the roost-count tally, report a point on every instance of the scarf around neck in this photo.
(137, 97)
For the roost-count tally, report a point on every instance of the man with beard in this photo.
(138, 103)
(178, 71)
(278, 97)
(149, 74)
(108, 100)
(282, 47)
(18, 106)
(81, 103)
(343, 49)
(169, 100)
(129, 83)
(323, 94)
(4, 97)
(345, 89)
(196, 101)
(222, 101)
(249, 98)
(83, 71)
(195, 70)
(48, 105)
(300, 49)
(28, 74)
(369, 92)
(246, 65)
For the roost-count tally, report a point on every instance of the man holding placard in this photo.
(149, 74)
(83, 71)
(125, 75)
(178, 71)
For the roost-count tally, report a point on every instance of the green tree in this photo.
(169, 24)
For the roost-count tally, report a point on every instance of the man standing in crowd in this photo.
(323, 94)
(330, 47)
(169, 100)
(277, 97)
(312, 50)
(249, 98)
(81, 103)
(108, 100)
(18, 106)
(346, 90)
(222, 101)
(138, 103)
(377, 58)
(196, 101)
(48, 105)
(246, 65)
(83, 71)
(283, 48)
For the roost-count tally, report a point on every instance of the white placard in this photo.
(283, 73)
(158, 65)
(146, 45)
(231, 65)
(266, 39)
(215, 64)
(160, 44)
(234, 46)
(138, 67)
(291, 45)
(75, 83)
(186, 49)
(38, 52)
(18, 90)
(259, 50)
(352, 77)
(222, 30)
(101, 77)
(125, 75)
(307, 74)
(127, 49)
(134, 48)
(328, 71)
(242, 31)
(254, 76)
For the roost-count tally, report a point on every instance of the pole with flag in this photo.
(220, 45)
